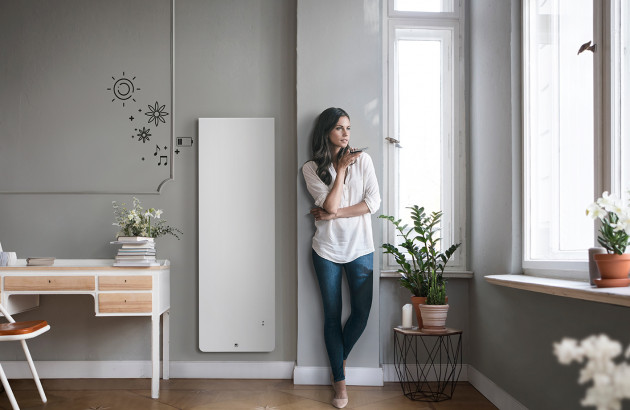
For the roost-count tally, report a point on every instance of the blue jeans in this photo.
(340, 341)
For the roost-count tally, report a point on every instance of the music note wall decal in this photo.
(156, 150)
(165, 160)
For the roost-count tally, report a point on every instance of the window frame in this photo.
(455, 146)
(606, 125)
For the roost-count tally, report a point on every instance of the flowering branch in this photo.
(611, 381)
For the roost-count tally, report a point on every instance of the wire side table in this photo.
(436, 378)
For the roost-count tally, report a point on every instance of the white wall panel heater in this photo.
(236, 235)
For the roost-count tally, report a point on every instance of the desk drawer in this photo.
(124, 302)
(49, 283)
(125, 282)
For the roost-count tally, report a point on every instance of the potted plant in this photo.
(614, 236)
(137, 221)
(435, 309)
(426, 261)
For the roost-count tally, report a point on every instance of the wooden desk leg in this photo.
(166, 344)
(155, 356)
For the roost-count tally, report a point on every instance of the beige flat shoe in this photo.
(339, 403)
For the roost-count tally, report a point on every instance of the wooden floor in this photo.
(135, 394)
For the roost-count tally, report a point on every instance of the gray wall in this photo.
(239, 59)
(339, 65)
(512, 331)
(233, 59)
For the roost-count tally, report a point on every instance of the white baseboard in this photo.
(133, 369)
(390, 375)
(128, 369)
(232, 370)
(355, 376)
(492, 392)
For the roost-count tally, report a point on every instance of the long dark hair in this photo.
(321, 144)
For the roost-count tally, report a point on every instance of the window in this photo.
(621, 86)
(574, 133)
(424, 162)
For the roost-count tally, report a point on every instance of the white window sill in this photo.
(566, 288)
(447, 275)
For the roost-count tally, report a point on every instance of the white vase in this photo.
(434, 318)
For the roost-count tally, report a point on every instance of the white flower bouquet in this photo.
(614, 234)
(137, 221)
(611, 381)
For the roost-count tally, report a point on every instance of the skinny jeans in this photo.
(340, 340)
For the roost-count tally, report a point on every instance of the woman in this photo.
(344, 187)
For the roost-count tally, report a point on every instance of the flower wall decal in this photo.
(156, 114)
(143, 135)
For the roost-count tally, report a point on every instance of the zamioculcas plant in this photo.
(420, 258)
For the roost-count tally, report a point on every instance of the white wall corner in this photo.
(492, 392)
(355, 376)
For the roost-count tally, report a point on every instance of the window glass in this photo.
(624, 109)
(419, 122)
(433, 6)
(559, 129)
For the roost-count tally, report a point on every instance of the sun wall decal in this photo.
(123, 89)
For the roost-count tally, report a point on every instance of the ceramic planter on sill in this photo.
(613, 270)
(416, 301)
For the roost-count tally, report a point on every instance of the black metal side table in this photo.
(428, 365)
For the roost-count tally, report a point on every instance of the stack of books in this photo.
(40, 261)
(135, 251)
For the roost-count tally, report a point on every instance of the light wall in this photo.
(338, 65)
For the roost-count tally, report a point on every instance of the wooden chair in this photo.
(21, 331)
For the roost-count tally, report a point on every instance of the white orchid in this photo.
(623, 224)
(614, 232)
(608, 201)
(595, 211)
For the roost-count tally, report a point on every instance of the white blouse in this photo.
(343, 240)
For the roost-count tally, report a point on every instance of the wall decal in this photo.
(184, 142)
(143, 134)
(123, 89)
(156, 114)
(122, 61)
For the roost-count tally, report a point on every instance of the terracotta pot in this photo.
(434, 318)
(613, 269)
(416, 301)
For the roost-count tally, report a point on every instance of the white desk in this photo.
(127, 291)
